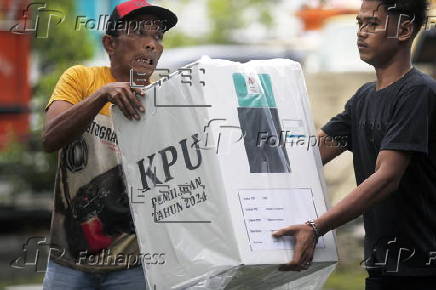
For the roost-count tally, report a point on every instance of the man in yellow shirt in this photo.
(92, 228)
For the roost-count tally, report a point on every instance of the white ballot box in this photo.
(225, 154)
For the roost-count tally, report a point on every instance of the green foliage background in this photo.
(64, 47)
(24, 165)
(227, 16)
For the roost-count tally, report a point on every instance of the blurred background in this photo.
(321, 35)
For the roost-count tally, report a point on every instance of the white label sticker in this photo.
(253, 85)
(267, 210)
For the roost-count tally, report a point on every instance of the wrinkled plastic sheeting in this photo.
(267, 277)
(314, 281)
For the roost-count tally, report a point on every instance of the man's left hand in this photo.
(304, 246)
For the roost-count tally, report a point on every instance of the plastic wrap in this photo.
(221, 159)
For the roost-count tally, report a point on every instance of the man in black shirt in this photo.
(390, 126)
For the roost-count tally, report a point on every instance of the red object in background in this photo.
(314, 19)
(14, 75)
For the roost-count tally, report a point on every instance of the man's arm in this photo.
(64, 122)
(390, 167)
(329, 148)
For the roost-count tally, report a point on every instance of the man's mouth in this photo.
(362, 45)
(144, 61)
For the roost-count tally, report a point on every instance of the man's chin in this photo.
(141, 75)
(365, 58)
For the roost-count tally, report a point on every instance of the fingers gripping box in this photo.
(225, 154)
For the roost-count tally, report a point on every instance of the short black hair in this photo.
(416, 9)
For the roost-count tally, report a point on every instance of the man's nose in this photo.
(361, 32)
(150, 45)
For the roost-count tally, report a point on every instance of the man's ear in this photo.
(109, 44)
(406, 31)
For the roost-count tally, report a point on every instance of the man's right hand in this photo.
(304, 246)
(65, 121)
(125, 97)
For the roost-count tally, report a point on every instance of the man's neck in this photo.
(118, 75)
(122, 77)
(394, 70)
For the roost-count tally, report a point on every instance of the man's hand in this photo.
(304, 246)
(123, 96)
(64, 121)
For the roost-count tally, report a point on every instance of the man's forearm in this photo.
(328, 147)
(71, 123)
(372, 190)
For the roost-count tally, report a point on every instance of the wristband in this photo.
(316, 231)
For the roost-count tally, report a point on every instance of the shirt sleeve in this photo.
(408, 129)
(70, 86)
(339, 127)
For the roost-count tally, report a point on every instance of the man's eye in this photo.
(373, 24)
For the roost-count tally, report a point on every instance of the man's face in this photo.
(377, 41)
(140, 47)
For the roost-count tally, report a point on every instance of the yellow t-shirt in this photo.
(92, 228)
(79, 82)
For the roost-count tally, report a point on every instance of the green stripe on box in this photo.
(262, 99)
(267, 88)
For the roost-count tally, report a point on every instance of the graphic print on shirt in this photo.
(96, 212)
(75, 156)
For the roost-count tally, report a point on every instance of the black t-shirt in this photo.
(400, 231)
